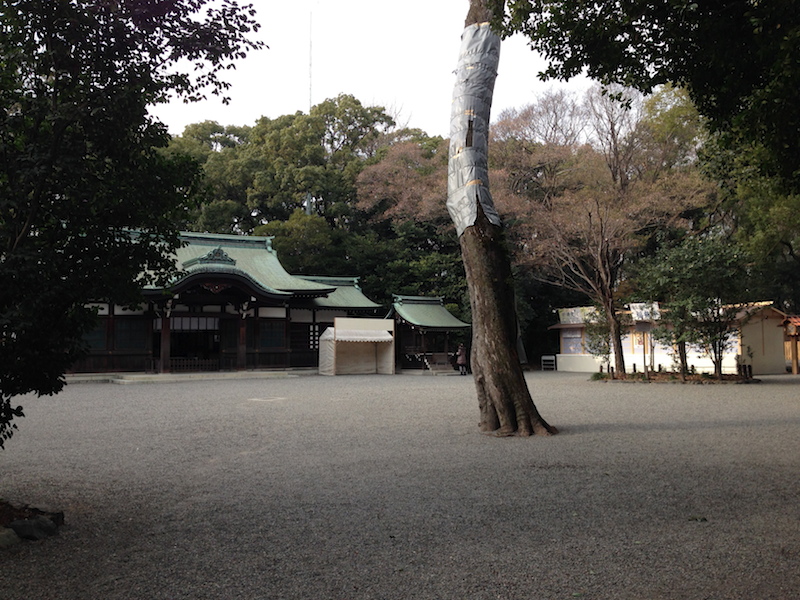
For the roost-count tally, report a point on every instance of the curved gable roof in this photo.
(249, 258)
(426, 313)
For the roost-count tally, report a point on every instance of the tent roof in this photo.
(426, 313)
(356, 335)
(246, 257)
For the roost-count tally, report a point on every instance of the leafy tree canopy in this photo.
(736, 58)
(305, 243)
(763, 218)
(88, 199)
(701, 284)
(280, 165)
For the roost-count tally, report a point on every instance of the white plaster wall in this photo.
(763, 338)
(577, 363)
(586, 363)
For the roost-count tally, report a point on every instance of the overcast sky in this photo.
(399, 55)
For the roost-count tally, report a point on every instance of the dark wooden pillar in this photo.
(287, 336)
(110, 333)
(166, 350)
(241, 348)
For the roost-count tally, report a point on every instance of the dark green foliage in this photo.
(263, 174)
(701, 284)
(537, 306)
(765, 219)
(425, 261)
(737, 59)
(306, 244)
(88, 199)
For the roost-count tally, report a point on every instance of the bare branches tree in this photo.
(580, 211)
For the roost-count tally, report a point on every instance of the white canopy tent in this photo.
(357, 347)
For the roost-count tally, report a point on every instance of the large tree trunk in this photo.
(503, 397)
(683, 360)
(615, 331)
(717, 355)
(504, 400)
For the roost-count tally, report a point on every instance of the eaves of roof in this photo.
(347, 294)
(426, 313)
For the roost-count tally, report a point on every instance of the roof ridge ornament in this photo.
(217, 255)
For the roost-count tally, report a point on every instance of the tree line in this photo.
(598, 192)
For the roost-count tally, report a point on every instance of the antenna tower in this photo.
(310, 56)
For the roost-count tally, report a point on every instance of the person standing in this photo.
(461, 359)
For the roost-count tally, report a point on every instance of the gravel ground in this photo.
(376, 487)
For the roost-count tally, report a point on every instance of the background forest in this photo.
(597, 192)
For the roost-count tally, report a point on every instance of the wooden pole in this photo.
(241, 348)
(166, 350)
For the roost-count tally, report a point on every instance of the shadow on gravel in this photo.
(628, 427)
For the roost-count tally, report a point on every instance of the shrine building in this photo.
(231, 306)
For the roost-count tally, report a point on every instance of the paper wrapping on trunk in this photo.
(468, 173)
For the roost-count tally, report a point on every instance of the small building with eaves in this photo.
(427, 334)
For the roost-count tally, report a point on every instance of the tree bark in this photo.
(683, 360)
(615, 331)
(717, 355)
(504, 400)
(478, 13)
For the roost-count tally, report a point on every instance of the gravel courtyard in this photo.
(381, 487)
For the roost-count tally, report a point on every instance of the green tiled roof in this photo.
(426, 313)
(249, 257)
(346, 295)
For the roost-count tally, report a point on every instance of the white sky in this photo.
(399, 54)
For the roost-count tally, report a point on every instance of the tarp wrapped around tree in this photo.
(357, 347)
